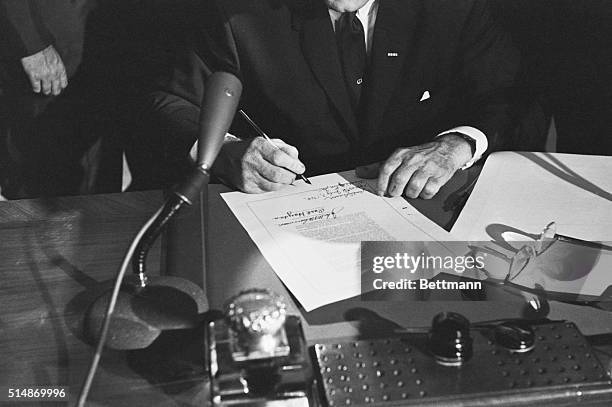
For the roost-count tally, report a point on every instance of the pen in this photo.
(265, 136)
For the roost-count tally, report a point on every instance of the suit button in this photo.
(359, 81)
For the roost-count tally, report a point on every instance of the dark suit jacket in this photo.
(285, 53)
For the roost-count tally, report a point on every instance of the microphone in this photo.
(219, 103)
(145, 305)
(219, 106)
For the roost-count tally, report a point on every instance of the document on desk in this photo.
(311, 234)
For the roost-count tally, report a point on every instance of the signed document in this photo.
(311, 234)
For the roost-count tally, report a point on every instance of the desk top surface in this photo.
(228, 273)
(56, 253)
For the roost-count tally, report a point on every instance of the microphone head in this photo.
(222, 93)
(140, 316)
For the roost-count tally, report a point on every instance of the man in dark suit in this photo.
(417, 88)
(41, 49)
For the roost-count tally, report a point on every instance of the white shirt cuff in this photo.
(481, 142)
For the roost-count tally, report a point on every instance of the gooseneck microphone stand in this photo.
(186, 194)
(219, 105)
(220, 101)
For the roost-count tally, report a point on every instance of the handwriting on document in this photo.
(302, 217)
(336, 214)
(311, 234)
(340, 190)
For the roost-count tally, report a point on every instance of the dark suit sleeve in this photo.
(22, 28)
(176, 102)
(489, 65)
(169, 116)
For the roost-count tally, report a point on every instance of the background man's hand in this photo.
(419, 171)
(255, 166)
(46, 71)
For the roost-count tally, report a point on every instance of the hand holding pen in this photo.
(259, 164)
(265, 136)
(242, 164)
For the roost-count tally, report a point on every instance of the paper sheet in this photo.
(311, 234)
(517, 194)
(526, 191)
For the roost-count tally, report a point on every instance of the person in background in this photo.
(41, 50)
(29, 41)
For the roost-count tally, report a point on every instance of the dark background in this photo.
(74, 143)
(567, 66)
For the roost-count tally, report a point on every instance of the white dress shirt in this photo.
(367, 15)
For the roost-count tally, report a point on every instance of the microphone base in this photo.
(141, 314)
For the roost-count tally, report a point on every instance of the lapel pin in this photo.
(392, 54)
(425, 96)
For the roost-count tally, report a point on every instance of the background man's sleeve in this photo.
(21, 24)
(177, 99)
(170, 112)
(489, 65)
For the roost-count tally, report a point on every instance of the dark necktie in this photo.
(352, 49)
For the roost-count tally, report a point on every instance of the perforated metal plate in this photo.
(401, 368)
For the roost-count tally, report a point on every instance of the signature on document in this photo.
(304, 216)
(340, 190)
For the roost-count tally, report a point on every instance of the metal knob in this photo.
(515, 336)
(449, 339)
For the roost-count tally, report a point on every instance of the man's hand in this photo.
(46, 71)
(422, 170)
(255, 166)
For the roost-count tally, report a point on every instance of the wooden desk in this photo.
(54, 254)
